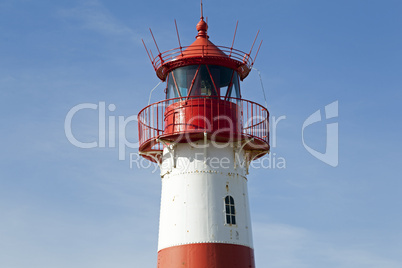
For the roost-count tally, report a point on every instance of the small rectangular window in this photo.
(230, 210)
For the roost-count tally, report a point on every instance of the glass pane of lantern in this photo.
(234, 90)
(236, 86)
(203, 85)
(221, 76)
(171, 88)
(184, 76)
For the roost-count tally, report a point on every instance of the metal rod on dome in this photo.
(234, 36)
(253, 43)
(156, 45)
(256, 54)
(152, 55)
(146, 50)
(178, 37)
(237, 22)
(202, 15)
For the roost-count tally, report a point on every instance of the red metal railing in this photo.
(173, 54)
(202, 114)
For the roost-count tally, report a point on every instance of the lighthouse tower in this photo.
(204, 136)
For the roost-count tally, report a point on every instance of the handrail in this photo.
(172, 54)
(252, 118)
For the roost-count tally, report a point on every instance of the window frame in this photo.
(229, 211)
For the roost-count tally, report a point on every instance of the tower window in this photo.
(230, 210)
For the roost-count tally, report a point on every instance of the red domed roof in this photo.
(202, 51)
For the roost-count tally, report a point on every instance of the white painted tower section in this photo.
(195, 181)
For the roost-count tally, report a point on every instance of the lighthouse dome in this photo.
(202, 51)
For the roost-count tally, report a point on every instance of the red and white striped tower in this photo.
(203, 136)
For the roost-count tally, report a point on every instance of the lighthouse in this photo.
(204, 136)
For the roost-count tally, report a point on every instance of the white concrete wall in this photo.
(193, 192)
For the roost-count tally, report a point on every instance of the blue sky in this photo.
(63, 206)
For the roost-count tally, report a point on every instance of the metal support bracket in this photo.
(171, 148)
(238, 151)
(245, 143)
(152, 155)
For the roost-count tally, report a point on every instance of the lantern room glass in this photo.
(203, 80)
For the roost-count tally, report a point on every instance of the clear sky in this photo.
(63, 206)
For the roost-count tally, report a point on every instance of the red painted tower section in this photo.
(205, 219)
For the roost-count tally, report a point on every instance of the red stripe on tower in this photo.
(207, 255)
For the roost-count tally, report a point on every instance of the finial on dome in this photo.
(202, 26)
(202, 16)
